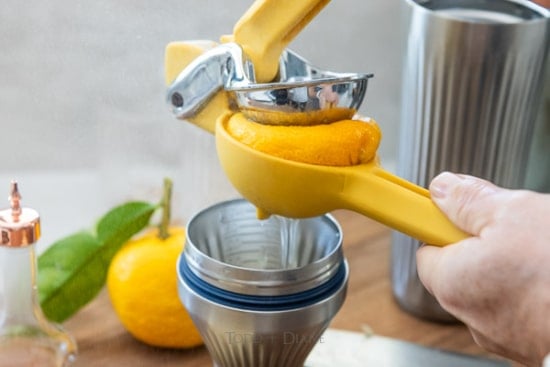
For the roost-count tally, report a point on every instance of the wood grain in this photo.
(103, 341)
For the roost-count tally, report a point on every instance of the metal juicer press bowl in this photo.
(302, 95)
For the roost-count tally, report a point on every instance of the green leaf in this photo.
(122, 222)
(73, 270)
(61, 260)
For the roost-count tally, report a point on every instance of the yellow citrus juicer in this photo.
(275, 185)
(297, 190)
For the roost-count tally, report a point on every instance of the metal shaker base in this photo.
(407, 289)
(471, 90)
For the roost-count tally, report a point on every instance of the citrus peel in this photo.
(341, 143)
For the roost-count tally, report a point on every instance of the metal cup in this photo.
(261, 292)
(472, 85)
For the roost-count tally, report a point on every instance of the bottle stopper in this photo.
(18, 226)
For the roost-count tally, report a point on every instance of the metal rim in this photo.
(259, 302)
(261, 281)
(339, 79)
(525, 11)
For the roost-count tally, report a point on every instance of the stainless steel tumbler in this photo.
(472, 85)
(261, 292)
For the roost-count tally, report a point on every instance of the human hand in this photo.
(498, 281)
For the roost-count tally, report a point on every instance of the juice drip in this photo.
(289, 241)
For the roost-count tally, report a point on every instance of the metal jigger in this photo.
(261, 293)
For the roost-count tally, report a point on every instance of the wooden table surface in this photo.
(102, 340)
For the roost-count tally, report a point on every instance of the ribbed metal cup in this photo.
(261, 292)
(472, 86)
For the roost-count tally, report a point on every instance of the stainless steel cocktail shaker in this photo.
(261, 292)
(472, 85)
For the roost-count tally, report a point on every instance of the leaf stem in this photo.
(165, 205)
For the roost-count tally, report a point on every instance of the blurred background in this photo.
(84, 121)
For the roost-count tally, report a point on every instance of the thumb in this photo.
(469, 202)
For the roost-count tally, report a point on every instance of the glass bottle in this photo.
(27, 338)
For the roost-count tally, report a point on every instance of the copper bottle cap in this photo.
(18, 226)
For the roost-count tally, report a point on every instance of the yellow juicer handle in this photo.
(266, 29)
(399, 204)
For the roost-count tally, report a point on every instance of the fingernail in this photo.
(441, 184)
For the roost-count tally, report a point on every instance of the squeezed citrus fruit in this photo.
(142, 284)
(341, 143)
